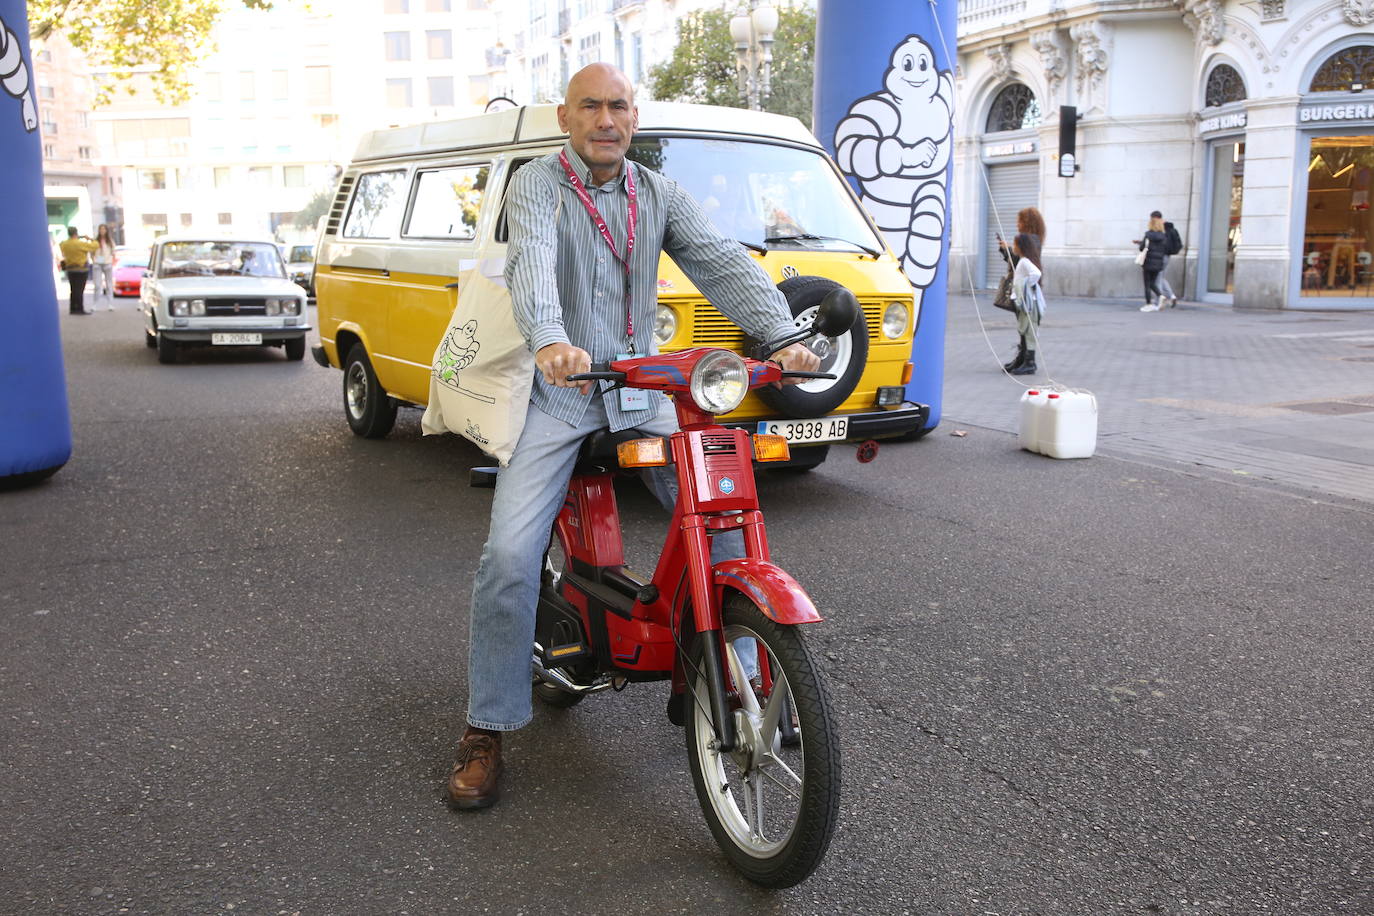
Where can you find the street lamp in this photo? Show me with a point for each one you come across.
(752, 31)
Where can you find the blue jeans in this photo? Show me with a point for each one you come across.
(529, 493)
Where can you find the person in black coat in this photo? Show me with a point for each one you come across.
(1155, 245)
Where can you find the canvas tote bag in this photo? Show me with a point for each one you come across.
(479, 385)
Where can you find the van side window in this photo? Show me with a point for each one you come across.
(502, 228)
(377, 206)
(447, 202)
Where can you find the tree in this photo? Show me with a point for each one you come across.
(163, 38)
(702, 68)
(308, 217)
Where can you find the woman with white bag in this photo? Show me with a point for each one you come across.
(1151, 258)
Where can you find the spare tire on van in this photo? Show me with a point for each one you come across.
(844, 356)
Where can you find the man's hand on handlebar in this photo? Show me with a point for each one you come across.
(797, 358)
(557, 361)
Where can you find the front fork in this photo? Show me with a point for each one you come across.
(707, 617)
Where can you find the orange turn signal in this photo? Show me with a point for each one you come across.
(642, 453)
(771, 448)
(906, 373)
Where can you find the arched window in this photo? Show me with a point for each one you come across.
(1224, 85)
(1015, 108)
(1344, 69)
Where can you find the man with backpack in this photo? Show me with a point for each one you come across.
(1173, 245)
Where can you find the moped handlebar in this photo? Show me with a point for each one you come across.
(829, 375)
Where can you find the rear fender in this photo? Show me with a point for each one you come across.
(775, 592)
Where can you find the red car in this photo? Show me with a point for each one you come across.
(129, 265)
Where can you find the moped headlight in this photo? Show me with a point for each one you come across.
(179, 307)
(198, 307)
(665, 324)
(719, 382)
(895, 319)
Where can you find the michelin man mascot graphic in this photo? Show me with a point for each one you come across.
(896, 145)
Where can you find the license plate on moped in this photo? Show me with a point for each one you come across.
(805, 432)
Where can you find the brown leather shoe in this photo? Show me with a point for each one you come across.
(472, 784)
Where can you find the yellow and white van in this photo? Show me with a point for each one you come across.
(418, 202)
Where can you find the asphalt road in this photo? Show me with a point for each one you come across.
(235, 658)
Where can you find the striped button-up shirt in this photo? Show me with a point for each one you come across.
(567, 287)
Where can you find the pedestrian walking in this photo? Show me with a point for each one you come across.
(76, 252)
(1029, 222)
(1030, 300)
(1152, 247)
(102, 267)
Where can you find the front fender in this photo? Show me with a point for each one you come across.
(775, 592)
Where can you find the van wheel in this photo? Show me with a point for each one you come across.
(166, 349)
(371, 412)
(295, 349)
(844, 356)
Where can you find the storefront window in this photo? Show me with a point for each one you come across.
(1339, 232)
(1228, 169)
(1015, 108)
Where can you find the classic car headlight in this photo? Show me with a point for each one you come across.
(719, 382)
(197, 307)
(665, 324)
(291, 306)
(273, 306)
(895, 319)
(179, 307)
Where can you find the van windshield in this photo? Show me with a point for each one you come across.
(761, 194)
(220, 259)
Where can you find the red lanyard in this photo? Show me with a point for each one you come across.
(590, 207)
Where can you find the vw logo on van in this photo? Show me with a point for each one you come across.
(788, 272)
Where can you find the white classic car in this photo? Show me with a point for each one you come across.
(221, 292)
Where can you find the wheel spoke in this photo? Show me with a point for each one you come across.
(746, 694)
(756, 785)
(771, 760)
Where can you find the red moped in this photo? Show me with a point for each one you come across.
(763, 751)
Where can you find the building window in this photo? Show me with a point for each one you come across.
(396, 6)
(1224, 85)
(84, 153)
(45, 55)
(185, 220)
(479, 87)
(45, 90)
(397, 45)
(1337, 260)
(49, 151)
(447, 202)
(222, 176)
(319, 89)
(226, 219)
(152, 179)
(1015, 108)
(248, 86)
(293, 176)
(155, 223)
(588, 50)
(439, 6)
(398, 93)
(1351, 70)
(636, 57)
(440, 91)
(440, 44)
(49, 125)
(279, 85)
(260, 176)
(377, 206)
(1228, 185)
(83, 119)
(214, 87)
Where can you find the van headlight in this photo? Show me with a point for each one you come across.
(665, 324)
(719, 382)
(896, 317)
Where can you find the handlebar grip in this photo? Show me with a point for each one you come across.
(829, 375)
(597, 376)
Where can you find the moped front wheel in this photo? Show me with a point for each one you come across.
(771, 803)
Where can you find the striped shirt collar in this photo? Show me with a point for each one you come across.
(585, 173)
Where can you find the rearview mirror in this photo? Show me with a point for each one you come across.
(837, 313)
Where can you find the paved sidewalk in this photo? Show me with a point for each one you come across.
(1283, 396)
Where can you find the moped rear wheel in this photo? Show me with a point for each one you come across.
(771, 805)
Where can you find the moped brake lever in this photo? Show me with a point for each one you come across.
(597, 377)
(800, 374)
